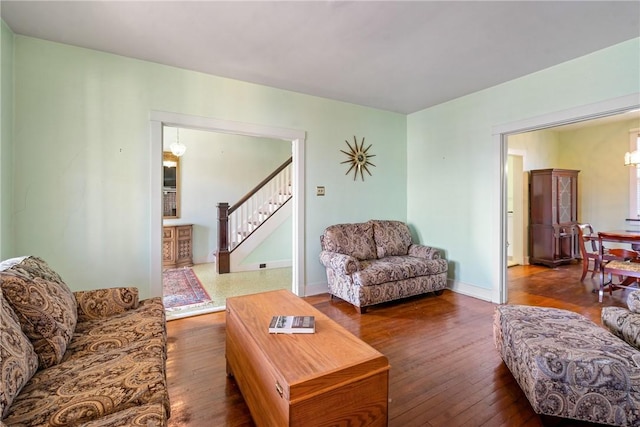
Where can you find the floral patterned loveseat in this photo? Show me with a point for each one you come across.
(89, 358)
(568, 366)
(372, 262)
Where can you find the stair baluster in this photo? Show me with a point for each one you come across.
(238, 222)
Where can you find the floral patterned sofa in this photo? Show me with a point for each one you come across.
(376, 261)
(570, 367)
(89, 358)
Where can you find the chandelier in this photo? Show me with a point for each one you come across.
(633, 158)
(177, 148)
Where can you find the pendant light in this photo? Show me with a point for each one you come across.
(177, 148)
(633, 158)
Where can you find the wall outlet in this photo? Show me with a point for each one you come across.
(319, 191)
(263, 265)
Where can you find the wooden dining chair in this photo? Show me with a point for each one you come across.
(590, 251)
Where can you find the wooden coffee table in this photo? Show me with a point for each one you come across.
(327, 378)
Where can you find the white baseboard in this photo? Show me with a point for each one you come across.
(470, 290)
(256, 266)
(205, 260)
(316, 288)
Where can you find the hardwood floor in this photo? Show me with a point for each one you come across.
(445, 370)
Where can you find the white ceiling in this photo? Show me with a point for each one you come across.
(392, 55)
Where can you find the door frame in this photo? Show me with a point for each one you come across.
(158, 119)
(500, 136)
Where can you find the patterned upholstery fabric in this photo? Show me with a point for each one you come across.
(623, 323)
(44, 304)
(111, 365)
(568, 366)
(85, 388)
(394, 268)
(350, 239)
(18, 361)
(624, 265)
(390, 291)
(392, 238)
(633, 301)
(345, 264)
(368, 281)
(120, 330)
(108, 366)
(426, 252)
(149, 415)
(103, 303)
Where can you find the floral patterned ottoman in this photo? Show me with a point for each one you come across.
(568, 366)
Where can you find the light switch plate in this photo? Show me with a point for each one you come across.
(319, 191)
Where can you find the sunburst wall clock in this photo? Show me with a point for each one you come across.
(358, 158)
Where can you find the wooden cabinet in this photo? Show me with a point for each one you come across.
(177, 246)
(553, 205)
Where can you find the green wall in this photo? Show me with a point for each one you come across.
(81, 142)
(82, 156)
(6, 141)
(272, 248)
(542, 149)
(454, 168)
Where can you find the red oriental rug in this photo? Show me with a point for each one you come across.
(182, 289)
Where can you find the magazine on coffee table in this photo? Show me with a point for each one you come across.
(292, 325)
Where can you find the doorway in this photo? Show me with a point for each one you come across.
(295, 137)
(220, 167)
(501, 134)
(517, 208)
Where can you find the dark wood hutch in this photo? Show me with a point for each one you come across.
(553, 219)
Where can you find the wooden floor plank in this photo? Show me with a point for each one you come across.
(445, 370)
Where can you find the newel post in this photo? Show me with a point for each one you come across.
(222, 256)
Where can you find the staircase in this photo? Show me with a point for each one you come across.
(238, 222)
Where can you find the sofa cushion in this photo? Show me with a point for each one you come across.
(18, 361)
(86, 389)
(146, 323)
(422, 251)
(392, 238)
(394, 268)
(350, 239)
(44, 305)
(102, 303)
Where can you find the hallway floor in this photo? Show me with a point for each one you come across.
(221, 286)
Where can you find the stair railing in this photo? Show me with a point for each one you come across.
(239, 221)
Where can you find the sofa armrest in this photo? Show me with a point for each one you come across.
(422, 251)
(101, 303)
(341, 263)
(633, 301)
(622, 323)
